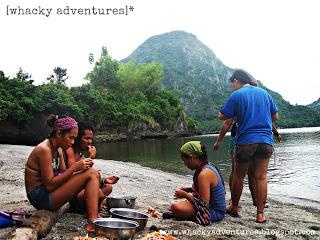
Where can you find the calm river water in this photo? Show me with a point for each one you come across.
(294, 170)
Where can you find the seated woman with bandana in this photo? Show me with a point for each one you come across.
(48, 184)
(205, 202)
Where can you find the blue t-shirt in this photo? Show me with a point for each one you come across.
(252, 108)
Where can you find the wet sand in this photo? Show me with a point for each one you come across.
(155, 188)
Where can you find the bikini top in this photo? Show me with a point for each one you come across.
(55, 163)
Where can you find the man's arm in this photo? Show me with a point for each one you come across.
(225, 127)
(276, 133)
(275, 117)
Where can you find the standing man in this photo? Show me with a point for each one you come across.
(254, 110)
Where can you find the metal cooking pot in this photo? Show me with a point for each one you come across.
(115, 228)
(121, 202)
(130, 214)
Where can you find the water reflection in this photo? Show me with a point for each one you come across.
(294, 168)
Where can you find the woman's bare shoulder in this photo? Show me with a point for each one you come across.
(207, 174)
(43, 147)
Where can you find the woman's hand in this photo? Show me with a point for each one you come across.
(84, 164)
(180, 194)
(278, 137)
(92, 151)
(216, 146)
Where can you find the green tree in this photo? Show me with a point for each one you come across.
(59, 76)
(127, 76)
(56, 98)
(17, 99)
(104, 72)
(143, 77)
(6, 104)
(23, 76)
(149, 77)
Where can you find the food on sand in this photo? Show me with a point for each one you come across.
(89, 238)
(153, 213)
(159, 235)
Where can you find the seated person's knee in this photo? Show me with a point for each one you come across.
(94, 172)
(175, 207)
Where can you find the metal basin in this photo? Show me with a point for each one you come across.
(115, 228)
(121, 202)
(130, 214)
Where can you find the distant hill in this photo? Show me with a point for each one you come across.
(200, 79)
(315, 105)
(292, 116)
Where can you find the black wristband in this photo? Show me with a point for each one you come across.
(276, 133)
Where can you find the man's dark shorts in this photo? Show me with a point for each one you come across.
(248, 152)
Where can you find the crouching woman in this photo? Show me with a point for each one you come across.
(205, 201)
(48, 185)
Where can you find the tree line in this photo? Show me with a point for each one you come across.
(127, 95)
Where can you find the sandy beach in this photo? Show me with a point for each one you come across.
(155, 188)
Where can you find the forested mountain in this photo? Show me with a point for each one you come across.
(201, 80)
(315, 105)
(172, 84)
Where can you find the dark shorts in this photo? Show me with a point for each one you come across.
(40, 198)
(248, 152)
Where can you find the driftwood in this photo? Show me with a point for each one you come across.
(39, 224)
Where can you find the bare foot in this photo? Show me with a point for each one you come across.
(90, 227)
(232, 211)
(260, 217)
(111, 180)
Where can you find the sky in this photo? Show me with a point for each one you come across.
(277, 41)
